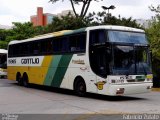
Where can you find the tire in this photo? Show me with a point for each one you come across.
(19, 80)
(25, 81)
(80, 88)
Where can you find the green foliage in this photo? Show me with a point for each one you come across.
(39, 30)
(154, 39)
(102, 18)
(67, 22)
(20, 31)
(3, 44)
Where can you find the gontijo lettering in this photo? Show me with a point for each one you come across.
(30, 61)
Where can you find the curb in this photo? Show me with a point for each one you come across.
(156, 89)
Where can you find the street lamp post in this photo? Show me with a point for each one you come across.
(108, 8)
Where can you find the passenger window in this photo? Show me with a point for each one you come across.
(78, 43)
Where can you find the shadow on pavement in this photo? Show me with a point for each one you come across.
(88, 95)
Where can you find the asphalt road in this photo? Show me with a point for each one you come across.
(44, 100)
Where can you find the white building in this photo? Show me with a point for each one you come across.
(65, 12)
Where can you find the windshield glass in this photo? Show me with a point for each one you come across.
(3, 59)
(131, 60)
(142, 60)
(127, 37)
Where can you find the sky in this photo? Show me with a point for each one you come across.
(21, 10)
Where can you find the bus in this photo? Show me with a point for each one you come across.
(107, 60)
(3, 63)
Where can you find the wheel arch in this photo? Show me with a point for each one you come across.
(25, 75)
(77, 79)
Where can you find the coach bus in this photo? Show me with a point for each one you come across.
(3, 63)
(108, 60)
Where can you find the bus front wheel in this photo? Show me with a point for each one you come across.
(80, 87)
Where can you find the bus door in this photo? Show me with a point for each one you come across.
(98, 58)
(100, 66)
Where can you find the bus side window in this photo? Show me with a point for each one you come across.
(65, 44)
(73, 43)
(24, 49)
(35, 48)
(97, 37)
(57, 45)
(49, 46)
(16, 50)
(82, 41)
(10, 51)
(78, 42)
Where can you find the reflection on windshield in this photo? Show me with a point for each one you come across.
(123, 58)
(128, 60)
(127, 37)
(142, 61)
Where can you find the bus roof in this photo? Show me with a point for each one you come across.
(3, 51)
(68, 32)
(114, 27)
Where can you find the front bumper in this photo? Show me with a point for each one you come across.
(127, 89)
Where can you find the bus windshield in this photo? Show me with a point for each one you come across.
(131, 60)
(3, 61)
(127, 37)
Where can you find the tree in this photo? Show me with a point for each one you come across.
(84, 9)
(154, 39)
(67, 22)
(70, 22)
(155, 9)
(25, 30)
(22, 30)
(3, 44)
(103, 18)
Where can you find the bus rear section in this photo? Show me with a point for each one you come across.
(3, 63)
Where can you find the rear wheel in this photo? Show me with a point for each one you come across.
(18, 79)
(25, 80)
(80, 87)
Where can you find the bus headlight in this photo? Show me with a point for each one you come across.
(117, 81)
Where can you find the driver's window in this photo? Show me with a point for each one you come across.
(97, 37)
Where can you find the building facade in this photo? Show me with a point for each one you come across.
(41, 19)
(65, 12)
